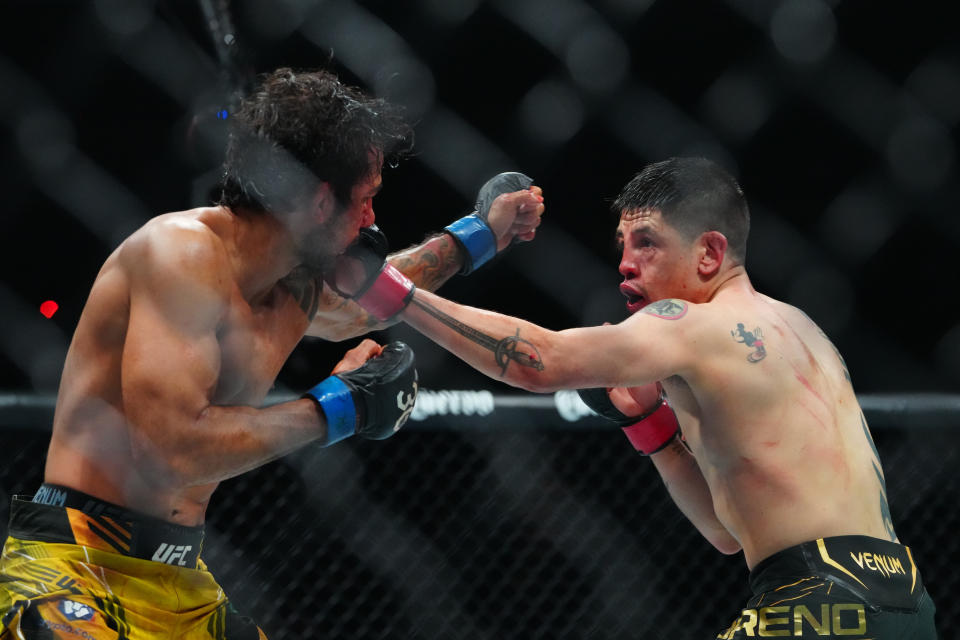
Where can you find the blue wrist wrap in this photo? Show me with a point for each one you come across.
(334, 397)
(476, 238)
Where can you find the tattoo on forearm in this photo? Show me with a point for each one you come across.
(753, 339)
(505, 350)
(431, 264)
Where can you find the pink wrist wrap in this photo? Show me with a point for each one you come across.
(654, 431)
(389, 294)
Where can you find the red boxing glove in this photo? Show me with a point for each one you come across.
(648, 433)
(363, 274)
(653, 431)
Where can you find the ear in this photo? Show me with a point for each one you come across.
(712, 249)
(323, 203)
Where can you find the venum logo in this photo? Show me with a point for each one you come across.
(75, 610)
(49, 495)
(170, 554)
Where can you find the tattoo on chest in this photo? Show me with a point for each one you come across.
(305, 287)
(505, 350)
(752, 339)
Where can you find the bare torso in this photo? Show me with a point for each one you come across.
(90, 449)
(772, 419)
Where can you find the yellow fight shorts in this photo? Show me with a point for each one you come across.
(77, 567)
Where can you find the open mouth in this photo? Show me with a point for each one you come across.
(635, 301)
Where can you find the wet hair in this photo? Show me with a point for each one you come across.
(298, 129)
(694, 195)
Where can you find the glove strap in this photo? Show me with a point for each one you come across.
(336, 401)
(477, 240)
(388, 295)
(653, 431)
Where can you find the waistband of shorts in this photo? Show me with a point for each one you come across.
(879, 572)
(63, 515)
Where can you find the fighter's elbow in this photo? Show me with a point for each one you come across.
(725, 544)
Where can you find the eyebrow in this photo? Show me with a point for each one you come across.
(636, 231)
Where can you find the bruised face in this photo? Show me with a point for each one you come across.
(656, 262)
(340, 223)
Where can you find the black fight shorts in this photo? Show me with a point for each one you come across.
(847, 587)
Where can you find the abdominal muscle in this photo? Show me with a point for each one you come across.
(93, 455)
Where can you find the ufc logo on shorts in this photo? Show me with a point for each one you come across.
(406, 406)
(170, 554)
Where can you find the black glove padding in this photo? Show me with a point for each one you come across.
(599, 400)
(506, 182)
(384, 391)
(358, 267)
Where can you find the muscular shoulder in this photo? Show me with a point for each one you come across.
(179, 263)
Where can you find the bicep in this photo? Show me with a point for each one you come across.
(169, 372)
(640, 350)
(171, 355)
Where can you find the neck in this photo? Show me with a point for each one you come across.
(733, 278)
(263, 252)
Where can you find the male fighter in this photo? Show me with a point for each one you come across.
(185, 329)
(775, 457)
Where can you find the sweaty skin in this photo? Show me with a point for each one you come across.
(184, 332)
(779, 451)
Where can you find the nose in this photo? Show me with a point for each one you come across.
(628, 268)
(369, 217)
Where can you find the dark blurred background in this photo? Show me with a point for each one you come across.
(838, 117)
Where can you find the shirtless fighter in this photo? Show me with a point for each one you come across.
(775, 457)
(186, 327)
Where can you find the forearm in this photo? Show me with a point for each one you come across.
(226, 441)
(685, 482)
(508, 349)
(428, 264)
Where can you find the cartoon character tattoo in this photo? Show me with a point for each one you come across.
(751, 339)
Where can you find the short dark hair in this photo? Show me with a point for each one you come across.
(300, 128)
(694, 195)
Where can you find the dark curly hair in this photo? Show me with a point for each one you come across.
(298, 129)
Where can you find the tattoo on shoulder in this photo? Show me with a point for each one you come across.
(669, 309)
(752, 339)
(305, 287)
(505, 350)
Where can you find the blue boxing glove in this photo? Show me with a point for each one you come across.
(372, 401)
(472, 232)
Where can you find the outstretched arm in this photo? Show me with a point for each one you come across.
(640, 350)
(428, 265)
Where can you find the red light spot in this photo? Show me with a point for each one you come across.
(49, 308)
